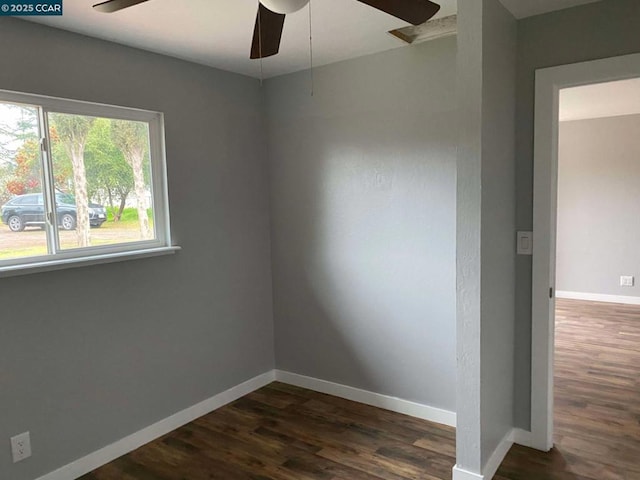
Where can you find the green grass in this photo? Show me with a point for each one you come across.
(129, 215)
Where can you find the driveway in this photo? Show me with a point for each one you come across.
(32, 241)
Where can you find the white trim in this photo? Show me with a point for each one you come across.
(496, 458)
(130, 443)
(387, 402)
(79, 107)
(549, 82)
(109, 453)
(64, 263)
(159, 184)
(461, 474)
(494, 462)
(598, 297)
(521, 437)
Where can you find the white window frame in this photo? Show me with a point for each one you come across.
(57, 258)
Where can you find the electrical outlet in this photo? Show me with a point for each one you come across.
(21, 447)
(626, 281)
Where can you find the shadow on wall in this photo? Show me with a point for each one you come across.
(363, 243)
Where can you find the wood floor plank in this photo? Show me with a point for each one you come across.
(597, 398)
(282, 432)
(436, 443)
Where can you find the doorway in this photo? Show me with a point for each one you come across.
(550, 83)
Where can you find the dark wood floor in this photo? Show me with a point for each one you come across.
(286, 433)
(597, 398)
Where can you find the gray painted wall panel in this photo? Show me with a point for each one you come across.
(598, 205)
(468, 235)
(363, 209)
(90, 355)
(599, 30)
(486, 230)
(499, 40)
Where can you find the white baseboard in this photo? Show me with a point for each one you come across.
(394, 404)
(128, 444)
(598, 297)
(494, 462)
(522, 437)
(461, 474)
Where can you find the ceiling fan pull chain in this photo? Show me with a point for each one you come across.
(311, 50)
(260, 42)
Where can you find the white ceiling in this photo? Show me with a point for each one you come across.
(609, 99)
(218, 32)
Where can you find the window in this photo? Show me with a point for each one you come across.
(79, 182)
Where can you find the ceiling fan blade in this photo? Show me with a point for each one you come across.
(412, 11)
(111, 6)
(267, 33)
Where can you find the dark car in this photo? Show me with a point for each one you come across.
(28, 210)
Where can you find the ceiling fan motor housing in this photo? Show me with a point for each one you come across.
(284, 6)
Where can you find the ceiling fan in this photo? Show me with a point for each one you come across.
(269, 25)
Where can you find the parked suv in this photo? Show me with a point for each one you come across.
(28, 210)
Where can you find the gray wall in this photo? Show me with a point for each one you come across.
(486, 230)
(468, 234)
(499, 39)
(598, 205)
(363, 230)
(599, 30)
(90, 355)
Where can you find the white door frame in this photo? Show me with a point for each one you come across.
(549, 82)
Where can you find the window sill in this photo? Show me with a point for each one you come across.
(66, 263)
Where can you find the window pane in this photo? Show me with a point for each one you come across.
(102, 177)
(22, 211)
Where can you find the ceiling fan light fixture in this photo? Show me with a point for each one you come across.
(284, 6)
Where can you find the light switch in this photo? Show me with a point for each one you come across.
(525, 243)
